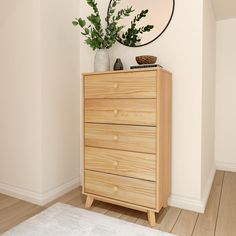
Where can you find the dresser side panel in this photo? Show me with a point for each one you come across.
(164, 130)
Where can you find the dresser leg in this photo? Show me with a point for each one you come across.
(89, 202)
(151, 218)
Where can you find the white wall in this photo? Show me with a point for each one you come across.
(225, 147)
(39, 91)
(60, 92)
(224, 9)
(208, 97)
(20, 89)
(180, 51)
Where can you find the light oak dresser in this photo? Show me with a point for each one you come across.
(127, 138)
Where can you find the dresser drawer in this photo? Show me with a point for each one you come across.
(139, 192)
(121, 111)
(121, 137)
(130, 164)
(126, 85)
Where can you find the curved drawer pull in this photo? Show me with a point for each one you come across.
(116, 138)
(116, 86)
(115, 189)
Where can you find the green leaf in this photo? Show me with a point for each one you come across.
(81, 22)
(86, 30)
(75, 23)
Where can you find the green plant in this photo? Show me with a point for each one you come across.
(132, 36)
(96, 36)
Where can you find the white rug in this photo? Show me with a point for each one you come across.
(66, 220)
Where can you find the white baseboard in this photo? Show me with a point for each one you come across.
(225, 166)
(186, 203)
(207, 189)
(39, 198)
(20, 193)
(192, 204)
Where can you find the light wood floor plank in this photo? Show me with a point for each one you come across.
(143, 219)
(78, 201)
(2, 196)
(168, 218)
(206, 222)
(101, 207)
(17, 213)
(6, 201)
(226, 224)
(76, 193)
(185, 223)
(116, 211)
(131, 215)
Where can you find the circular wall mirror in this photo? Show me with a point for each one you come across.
(147, 22)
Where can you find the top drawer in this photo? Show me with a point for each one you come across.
(121, 85)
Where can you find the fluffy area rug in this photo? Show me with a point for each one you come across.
(66, 220)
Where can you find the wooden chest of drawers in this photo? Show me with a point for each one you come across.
(127, 138)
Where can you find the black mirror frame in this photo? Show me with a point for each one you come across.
(172, 14)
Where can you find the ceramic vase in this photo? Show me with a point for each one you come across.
(101, 60)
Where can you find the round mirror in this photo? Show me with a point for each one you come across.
(147, 21)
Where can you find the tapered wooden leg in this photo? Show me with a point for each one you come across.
(89, 202)
(151, 218)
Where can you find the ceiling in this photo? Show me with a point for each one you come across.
(224, 9)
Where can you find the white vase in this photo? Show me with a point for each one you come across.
(102, 60)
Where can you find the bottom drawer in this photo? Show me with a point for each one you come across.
(136, 191)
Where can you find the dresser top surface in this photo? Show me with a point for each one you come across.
(126, 71)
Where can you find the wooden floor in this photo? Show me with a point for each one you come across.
(219, 218)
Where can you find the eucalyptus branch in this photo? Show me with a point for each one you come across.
(98, 38)
(132, 36)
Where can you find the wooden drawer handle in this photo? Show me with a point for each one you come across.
(116, 138)
(115, 112)
(115, 189)
(115, 164)
(116, 86)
